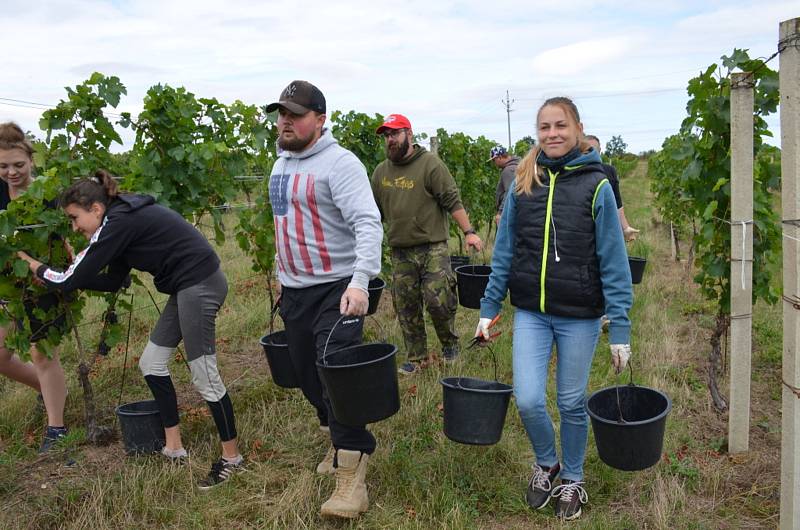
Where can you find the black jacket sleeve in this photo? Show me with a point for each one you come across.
(108, 243)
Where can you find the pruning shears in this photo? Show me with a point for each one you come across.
(480, 340)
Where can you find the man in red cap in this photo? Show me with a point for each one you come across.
(415, 192)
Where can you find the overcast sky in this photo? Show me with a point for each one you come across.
(441, 63)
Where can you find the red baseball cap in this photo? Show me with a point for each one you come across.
(394, 121)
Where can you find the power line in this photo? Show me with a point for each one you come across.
(618, 94)
(12, 102)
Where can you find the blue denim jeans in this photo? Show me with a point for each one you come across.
(575, 340)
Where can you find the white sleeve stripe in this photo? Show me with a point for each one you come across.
(61, 277)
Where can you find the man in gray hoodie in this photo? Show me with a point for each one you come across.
(328, 238)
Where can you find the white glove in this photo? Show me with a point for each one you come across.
(620, 354)
(630, 233)
(483, 328)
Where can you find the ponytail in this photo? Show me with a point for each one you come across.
(528, 172)
(100, 187)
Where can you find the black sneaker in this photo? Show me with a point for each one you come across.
(52, 435)
(409, 368)
(450, 353)
(540, 485)
(569, 496)
(221, 470)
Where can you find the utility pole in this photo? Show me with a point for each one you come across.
(507, 102)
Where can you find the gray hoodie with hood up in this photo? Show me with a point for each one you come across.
(327, 225)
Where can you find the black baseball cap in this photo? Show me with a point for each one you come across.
(299, 97)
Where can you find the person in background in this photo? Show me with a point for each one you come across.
(507, 164)
(130, 231)
(628, 231)
(328, 237)
(415, 192)
(45, 375)
(560, 253)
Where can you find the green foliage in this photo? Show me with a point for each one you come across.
(624, 164)
(87, 135)
(355, 131)
(703, 150)
(524, 145)
(77, 143)
(476, 179)
(616, 147)
(665, 169)
(255, 233)
(188, 151)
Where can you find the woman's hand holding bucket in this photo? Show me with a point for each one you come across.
(482, 334)
(620, 354)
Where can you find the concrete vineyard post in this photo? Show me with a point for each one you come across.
(742, 99)
(789, 47)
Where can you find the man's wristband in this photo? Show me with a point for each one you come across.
(469, 232)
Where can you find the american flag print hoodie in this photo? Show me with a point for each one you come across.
(327, 225)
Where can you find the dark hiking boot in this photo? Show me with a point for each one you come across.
(450, 353)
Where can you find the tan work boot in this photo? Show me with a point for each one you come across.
(349, 498)
(326, 466)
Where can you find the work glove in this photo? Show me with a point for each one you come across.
(630, 233)
(620, 354)
(483, 328)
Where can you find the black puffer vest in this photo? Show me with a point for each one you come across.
(554, 268)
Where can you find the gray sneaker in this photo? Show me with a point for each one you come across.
(540, 485)
(569, 496)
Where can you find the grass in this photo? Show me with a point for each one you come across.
(417, 478)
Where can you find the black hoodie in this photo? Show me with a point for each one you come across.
(136, 233)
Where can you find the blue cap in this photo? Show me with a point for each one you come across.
(496, 151)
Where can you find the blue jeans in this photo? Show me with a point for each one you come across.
(575, 339)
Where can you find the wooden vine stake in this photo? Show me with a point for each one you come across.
(789, 47)
(742, 100)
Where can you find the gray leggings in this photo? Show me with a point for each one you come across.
(190, 315)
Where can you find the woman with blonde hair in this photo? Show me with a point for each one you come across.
(560, 253)
(45, 375)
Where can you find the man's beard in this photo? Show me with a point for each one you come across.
(397, 152)
(296, 144)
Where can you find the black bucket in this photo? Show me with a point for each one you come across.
(375, 289)
(474, 409)
(361, 382)
(457, 261)
(141, 426)
(637, 268)
(636, 442)
(280, 364)
(472, 280)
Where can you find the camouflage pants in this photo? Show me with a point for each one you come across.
(423, 274)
